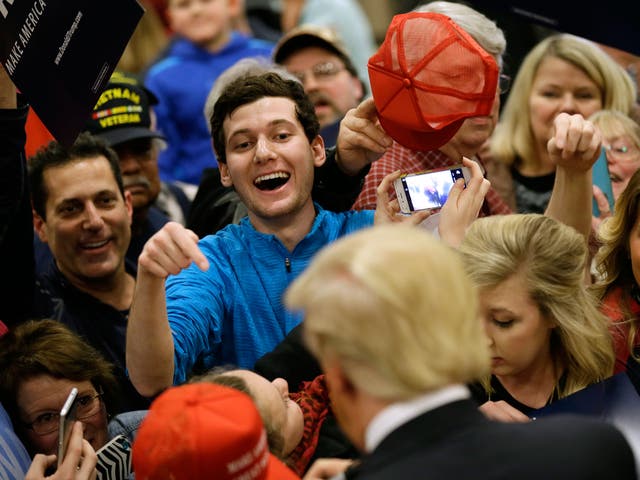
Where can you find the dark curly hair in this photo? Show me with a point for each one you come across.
(246, 90)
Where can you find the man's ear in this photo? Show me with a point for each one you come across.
(40, 226)
(319, 153)
(337, 380)
(128, 202)
(225, 175)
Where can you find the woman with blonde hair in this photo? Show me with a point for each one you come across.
(618, 265)
(547, 337)
(562, 73)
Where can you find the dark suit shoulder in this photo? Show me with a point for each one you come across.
(557, 447)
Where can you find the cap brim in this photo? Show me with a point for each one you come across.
(121, 135)
(276, 470)
(422, 141)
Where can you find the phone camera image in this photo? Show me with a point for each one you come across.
(429, 191)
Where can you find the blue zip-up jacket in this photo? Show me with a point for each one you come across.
(182, 81)
(233, 313)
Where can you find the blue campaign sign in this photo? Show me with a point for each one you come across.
(61, 53)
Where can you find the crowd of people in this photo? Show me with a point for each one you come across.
(220, 267)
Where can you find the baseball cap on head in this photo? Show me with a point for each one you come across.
(427, 77)
(122, 112)
(204, 430)
(309, 35)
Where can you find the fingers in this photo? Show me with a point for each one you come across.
(39, 465)
(362, 129)
(80, 460)
(503, 412)
(324, 468)
(602, 202)
(172, 249)
(575, 141)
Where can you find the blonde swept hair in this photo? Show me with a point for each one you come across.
(393, 305)
(612, 261)
(513, 138)
(552, 257)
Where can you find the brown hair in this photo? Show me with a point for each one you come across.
(47, 347)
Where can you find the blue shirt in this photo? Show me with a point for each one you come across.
(182, 81)
(233, 312)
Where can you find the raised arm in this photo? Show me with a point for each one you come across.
(574, 148)
(150, 349)
(16, 222)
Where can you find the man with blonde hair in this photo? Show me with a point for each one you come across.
(394, 322)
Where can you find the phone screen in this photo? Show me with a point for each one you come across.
(68, 415)
(431, 189)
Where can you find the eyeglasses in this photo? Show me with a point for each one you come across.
(619, 152)
(49, 422)
(504, 83)
(320, 71)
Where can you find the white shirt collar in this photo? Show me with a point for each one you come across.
(391, 417)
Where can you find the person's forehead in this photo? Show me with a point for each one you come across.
(310, 55)
(264, 109)
(79, 174)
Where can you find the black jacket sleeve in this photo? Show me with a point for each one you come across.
(16, 222)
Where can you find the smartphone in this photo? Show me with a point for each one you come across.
(68, 416)
(429, 189)
(602, 179)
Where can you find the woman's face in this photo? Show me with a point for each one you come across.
(40, 399)
(559, 86)
(519, 336)
(623, 159)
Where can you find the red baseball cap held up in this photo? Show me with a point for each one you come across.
(427, 77)
(203, 430)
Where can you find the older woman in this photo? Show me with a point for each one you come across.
(547, 337)
(40, 362)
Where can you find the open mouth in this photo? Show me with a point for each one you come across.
(271, 181)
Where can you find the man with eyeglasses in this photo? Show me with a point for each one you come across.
(318, 58)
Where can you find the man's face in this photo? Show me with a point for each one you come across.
(88, 223)
(139, 165)
(270, 162)
(331, 88)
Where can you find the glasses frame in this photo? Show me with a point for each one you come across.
(56, 422)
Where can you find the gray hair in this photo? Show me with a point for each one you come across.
(483, 30)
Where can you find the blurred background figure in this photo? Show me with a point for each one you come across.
(316, 56)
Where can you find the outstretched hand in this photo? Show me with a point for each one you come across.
(361, 139)
(462, 205)
(389, 210)
(172, 249)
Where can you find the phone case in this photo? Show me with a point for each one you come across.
(601, 179)
(114, 459)
(67, 417)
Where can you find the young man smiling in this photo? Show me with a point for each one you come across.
(227, 308)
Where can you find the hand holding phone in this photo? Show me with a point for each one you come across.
(68, 416)
(428, 190)
(602, 180)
